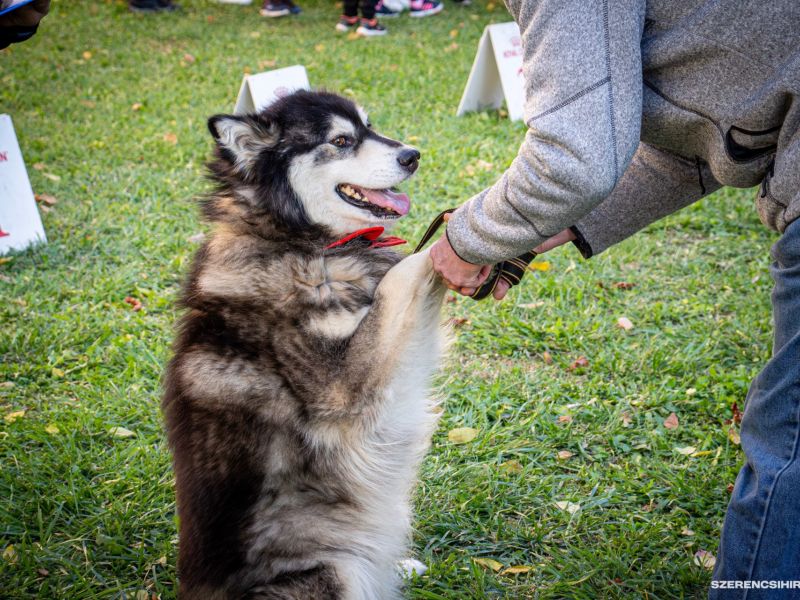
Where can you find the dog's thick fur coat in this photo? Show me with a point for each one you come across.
(297, 400)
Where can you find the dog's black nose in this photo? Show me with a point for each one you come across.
(409, 158)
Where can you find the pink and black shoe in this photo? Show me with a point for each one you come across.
(371, 27)
(425, 8)
(384, 12)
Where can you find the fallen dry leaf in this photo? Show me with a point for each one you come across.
(10, 554)
(43, 572)
(532, 305)
(511, 466)
(729, 488)
(686, 450)
(541, 265)
(624, 323)
(700, 453)
(624, 285)
(734, 436)
(87, 55)
(39, 166)
(267, 64)
(570, 507)
(547, 358)
(189, 58)
(56, 372)
(459, 321)
(135, 304)
(52, 429)
(319, 48)
(170, 138)
(565, 419)
(687, 531)
(703, 558)
(565, 454)
(580, 363)
(462, 435)
(137, 106)
(488, 563)
(121, 432)
(452, 47)
(52, 177)
(47, 199)
(517, 570)
(671, 422)
(626, 419)
(737, 414)
(453, 33)
(13, 416)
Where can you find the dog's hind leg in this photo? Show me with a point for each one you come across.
(319, 583)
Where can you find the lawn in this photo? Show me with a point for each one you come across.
(573, 475)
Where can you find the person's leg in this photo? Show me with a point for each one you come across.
(350, 8)
(761, 535)
(368, 9)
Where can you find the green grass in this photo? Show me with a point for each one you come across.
(91, 515)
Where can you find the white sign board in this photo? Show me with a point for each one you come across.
(20, 224)
(260, 90)
(496, 73)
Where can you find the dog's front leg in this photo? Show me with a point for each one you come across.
(407, 304)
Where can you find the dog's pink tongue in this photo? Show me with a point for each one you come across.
(395, 201)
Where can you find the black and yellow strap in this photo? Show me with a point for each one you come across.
(511, 270)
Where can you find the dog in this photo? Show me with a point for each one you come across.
(297, 402)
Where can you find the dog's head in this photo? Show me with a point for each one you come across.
(313, 158)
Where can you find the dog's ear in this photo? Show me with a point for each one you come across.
(243, 138)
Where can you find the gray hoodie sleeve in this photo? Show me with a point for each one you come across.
(583, 85)
(656, 184)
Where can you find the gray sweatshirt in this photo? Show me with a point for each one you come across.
(635, 110)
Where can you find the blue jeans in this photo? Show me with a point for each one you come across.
(761, 535)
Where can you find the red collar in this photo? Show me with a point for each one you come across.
(371, 234)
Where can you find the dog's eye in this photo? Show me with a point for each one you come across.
(342, 141)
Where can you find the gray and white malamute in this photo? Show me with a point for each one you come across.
(297, 400)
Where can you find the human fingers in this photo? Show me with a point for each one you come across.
(557, 240)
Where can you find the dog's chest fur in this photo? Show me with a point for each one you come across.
(299, 468)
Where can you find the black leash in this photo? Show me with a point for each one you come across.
(511, 271)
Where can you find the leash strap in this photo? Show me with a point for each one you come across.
(511, 270)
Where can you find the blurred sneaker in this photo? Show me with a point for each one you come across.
(168, 5)
(346, 23)
(294, 9)
(279, 8)
(425, 8)
(145, 6)
(371, 27)
(384, 12)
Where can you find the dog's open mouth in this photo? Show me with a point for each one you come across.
(388, 204)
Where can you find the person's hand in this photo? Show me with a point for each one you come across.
(559, 239)
(460, 276)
